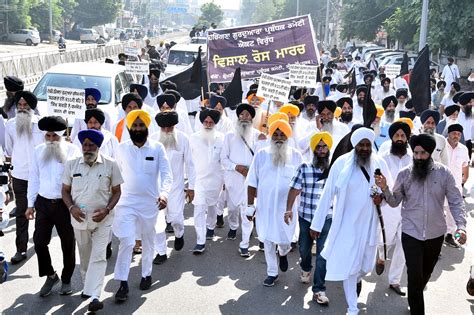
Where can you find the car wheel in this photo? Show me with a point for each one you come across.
(29, 42)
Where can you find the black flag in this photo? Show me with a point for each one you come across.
(404, 65)
(369, 112)
(420, 81)
(353, 82)
(233, 92)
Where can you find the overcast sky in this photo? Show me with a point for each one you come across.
(225, 4)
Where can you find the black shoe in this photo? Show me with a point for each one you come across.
(397, 289)
(199, 249)
(179, 243)
(209, 234)
(19, 257)
(359, 288)
(108, 251)
(95, 306)
(293, 246)
(169, 228)
(85, 296)
(449, 240)
(160, 259)
(1, 233)
(379, 267)
(122, 294)
(48, 285)
(283, 263)
(13, 213)
(220, 221)
(261, 247)
(232, 235)
(270, 281)
(145, 283)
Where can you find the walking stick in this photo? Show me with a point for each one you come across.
(379, 213)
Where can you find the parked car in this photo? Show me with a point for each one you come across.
(181, 56)
(44, 36)
(198, 40)
(110, 79)
(88, 35)
(397, 60)
(29, 37)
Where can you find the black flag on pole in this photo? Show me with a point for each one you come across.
(404, 65)
(233, 92)
(420, 81)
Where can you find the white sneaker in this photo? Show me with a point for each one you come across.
(305, 276)
(321, 298)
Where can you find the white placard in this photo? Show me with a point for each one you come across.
(137, 67)
(131, 51)
(392, 70)
(303, 75)
(65, 102)
(274, 88)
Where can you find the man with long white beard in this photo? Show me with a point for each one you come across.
(237, 154)
(346, 105)
(389, 104)
(22, 135)
(448, 97)
(351, 245)
(178, 150)
(430, 119)
(44, 198)
(452, 114)
(325, 122)
(91, 189)
(269, 176)
(147, 183)
(206, 147)
(397, 158)
(466, 100)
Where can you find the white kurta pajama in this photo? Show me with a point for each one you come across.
(180, 159)
(351, 244)
(209, 182)
(147, 175)
(235, 152)
(273, 184)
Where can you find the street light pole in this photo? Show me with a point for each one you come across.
(424, 24)
(326, 28)
(297, 7)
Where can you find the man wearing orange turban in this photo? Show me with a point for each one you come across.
(270, 174)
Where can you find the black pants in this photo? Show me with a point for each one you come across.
(49, 214)
(421, 258)
(19, 189)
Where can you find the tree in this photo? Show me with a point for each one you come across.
(210, 13)
(18, 15)
(89, 13)
(39, 13)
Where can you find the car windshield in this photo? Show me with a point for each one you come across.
(178, 57)
(74, 81)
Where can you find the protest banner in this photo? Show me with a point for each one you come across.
(274, 88)
(137, 67)
(260, 48)
(65, 102)
(303, 75)
(131, 51)
(392, 70)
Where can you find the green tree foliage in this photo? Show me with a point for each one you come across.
(18, 14)
(96, 12)
(39, 13)
(210, 13)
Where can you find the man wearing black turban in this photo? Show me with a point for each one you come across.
(310, 106)
(430, 119)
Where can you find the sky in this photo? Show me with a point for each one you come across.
(225, 4)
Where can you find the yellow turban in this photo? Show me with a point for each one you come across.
(380, 110)
(281, 124)
(406, 120)
(249, 98)
(138, 113)
(325, 136)
(290, 109)
(337, 112)
(277, 116)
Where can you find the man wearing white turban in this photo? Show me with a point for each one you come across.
(351, 244)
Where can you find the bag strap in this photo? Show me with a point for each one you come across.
(247, 145)
(366, 174)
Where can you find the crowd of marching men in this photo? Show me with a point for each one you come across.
(310, 161)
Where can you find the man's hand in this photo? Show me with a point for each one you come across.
(314, 235)
(288, 217)
(190, 195)
(250, 212)
(162, 202)
(460, 236)
(319, 124)
(243, 170)
(30, 213)
(381, 181)
(99, 214)
(77, 214)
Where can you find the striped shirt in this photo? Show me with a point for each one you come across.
(307, 179)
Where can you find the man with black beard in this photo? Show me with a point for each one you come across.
(430, 119)
(359, 101)
(12, 86)
(310, 107)
(147, 183)
(44, 198)
(309, 182)
(383, 91)
(466, 100)
(398, 157)
(22, 135)
(389, 104)
(422, 189)
(346, 105)
(237, 154)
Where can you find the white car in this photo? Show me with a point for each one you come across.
(110, 79)
(181, 56)
(397, 60)
(88, 35)
(29, 37)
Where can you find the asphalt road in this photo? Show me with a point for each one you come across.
(220, 281)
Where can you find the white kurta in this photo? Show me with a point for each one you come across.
(450, 75)
(224, 125)
(273, 184)
(351, 244)
(80, 124)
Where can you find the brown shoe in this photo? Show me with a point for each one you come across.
(470, 287)
(379, 266)
(397, 289)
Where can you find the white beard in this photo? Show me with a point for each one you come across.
(208, 136)
(279, 153)
(169, 140)
(54, 151)
(23, 123)
(244, 128)
(328, 127)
